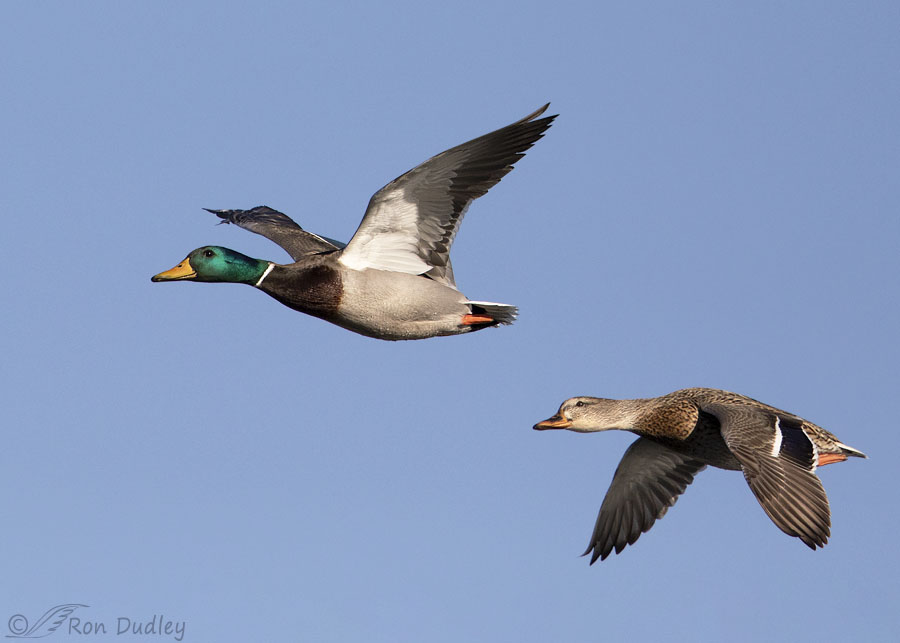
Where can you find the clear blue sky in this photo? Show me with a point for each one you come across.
(717, 205)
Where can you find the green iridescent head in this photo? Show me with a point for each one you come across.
(214, 263)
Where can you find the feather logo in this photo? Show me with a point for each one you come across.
(44, 626)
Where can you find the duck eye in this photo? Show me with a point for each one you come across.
(579, 403)
(209, 254)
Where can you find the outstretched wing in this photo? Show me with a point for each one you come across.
(411, 222)
(647, 482)
(778, 460)
(280, 228)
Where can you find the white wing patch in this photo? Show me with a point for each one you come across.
(389, 240)
(776, 445)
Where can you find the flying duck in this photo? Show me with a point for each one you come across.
(393, 280)
(682, 432)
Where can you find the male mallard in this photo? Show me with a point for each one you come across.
(684, 431)
(394, 279)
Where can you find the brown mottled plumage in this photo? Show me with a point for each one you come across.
(683, 432)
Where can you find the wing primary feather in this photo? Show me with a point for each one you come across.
(278, 227)
(425, 206)
(648, 480)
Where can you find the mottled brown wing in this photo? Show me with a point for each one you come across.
(648, 481)
(778, 460)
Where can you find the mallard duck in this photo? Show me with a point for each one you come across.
(393, 280)
(682, 432)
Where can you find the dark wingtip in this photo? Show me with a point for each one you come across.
(533, 115)
(595, 553)
(811, 543)
(225, 215)
(541, 111)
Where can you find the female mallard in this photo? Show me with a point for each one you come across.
(394, 279)
(684, 431)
